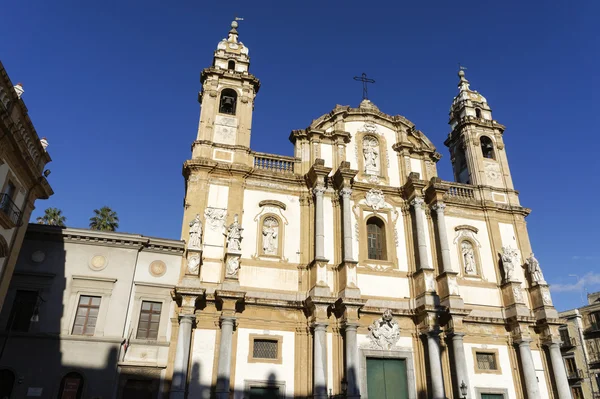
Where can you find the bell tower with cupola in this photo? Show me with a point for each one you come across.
(475, 142)
(227, 103)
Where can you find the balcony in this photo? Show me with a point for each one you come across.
(592, 327)
(10, 214)
(274, 163)
(460, 191)
(594, 358)
(568, 342)
(575, 374)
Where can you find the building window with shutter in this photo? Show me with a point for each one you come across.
(486, 361)
(22, 310)
(376, 239)
(149, 320)
(87, 315)
(265, 349)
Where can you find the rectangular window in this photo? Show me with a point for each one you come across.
(87, 315)
(149, 320)
(486, 361)
(22, 310)
(265, 349)
(577, 392)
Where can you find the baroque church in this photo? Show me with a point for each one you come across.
(351, 269)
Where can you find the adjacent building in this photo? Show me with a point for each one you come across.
(22, 161)
(88, 315)
(581, 348)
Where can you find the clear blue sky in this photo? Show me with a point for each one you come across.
(113, 86)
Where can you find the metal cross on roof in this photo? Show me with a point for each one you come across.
(363, 78)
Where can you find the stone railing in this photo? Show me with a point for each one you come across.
(462, 191)
(274, 163)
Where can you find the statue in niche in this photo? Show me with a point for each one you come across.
(270, 233)
(233, 266)
(234, 235)
(534, 269)
(193, 265)
(509, 257)
(468, 254)
(371, 154)
(384, 333)
(195, 232)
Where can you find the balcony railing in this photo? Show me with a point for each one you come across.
(575, 374)
(274, 163)
(460, 191)
(8, 208)
(568, 342)
(594, 358)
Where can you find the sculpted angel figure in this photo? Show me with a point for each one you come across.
(234, 234)
(195, 233)
(534, 269)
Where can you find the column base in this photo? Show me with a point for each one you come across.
(177, 395)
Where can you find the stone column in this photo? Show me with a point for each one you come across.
(422, 244)
(560, 374)
(320, 361)
(319, 223)
(345, 192)
(460, 365)
(531, 382)
(182, 357)
(224, 363)
(446, 262)
(353, 391)
(435, 366)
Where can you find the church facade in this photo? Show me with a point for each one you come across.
(351, 269)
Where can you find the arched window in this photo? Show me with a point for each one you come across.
(478, 113)
(7, 381)
(228, 102)
(487, 147)
(270, 236)
(71, 386)
(376, 239)
(231, 65)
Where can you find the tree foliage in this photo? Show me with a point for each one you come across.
(52, 217)
(104, 219)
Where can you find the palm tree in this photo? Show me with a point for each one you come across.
(105, 219)
(52, 217)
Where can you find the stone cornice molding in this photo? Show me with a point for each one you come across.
(466, 227)
(223, 73)
(275, 203)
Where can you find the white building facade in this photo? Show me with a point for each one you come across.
(351, 269)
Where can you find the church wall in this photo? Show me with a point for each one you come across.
(480, 295)
(268, 278)
(258, 371)
(327, 156)
(540, 372)
(415, 166)
(488, 262)
(202, 359)
(383, 286)
(503, 380)
(401, 253)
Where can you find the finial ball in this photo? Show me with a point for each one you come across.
(461, 73)
(234, 24)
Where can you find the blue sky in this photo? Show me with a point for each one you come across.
(113, 86)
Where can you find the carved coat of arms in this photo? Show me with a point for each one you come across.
(384, 333)
(375, 199)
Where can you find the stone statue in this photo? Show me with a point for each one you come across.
(534, 269)
(371, 154)
(509, 256)
(233, 266)
(384, 333)
(270, 233)
(468, 254)
(234, 235)
(195, 232)
(193, 265)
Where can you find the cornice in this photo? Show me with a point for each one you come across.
(244, 76)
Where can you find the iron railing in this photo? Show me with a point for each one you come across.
(568, 342)
(10, 209)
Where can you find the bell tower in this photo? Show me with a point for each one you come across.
(475, 142)
(227, 103)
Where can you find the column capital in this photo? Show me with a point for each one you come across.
(457, 335)
(318, 190)
(523, 341)
(417, 202)
(350, 326)
(345, 192)
(187, 318)
(439, 207)
(319, 326)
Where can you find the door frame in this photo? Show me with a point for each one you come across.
(497, 391)
(405, 354)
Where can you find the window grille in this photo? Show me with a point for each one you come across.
(265, 349)
(486, 361)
